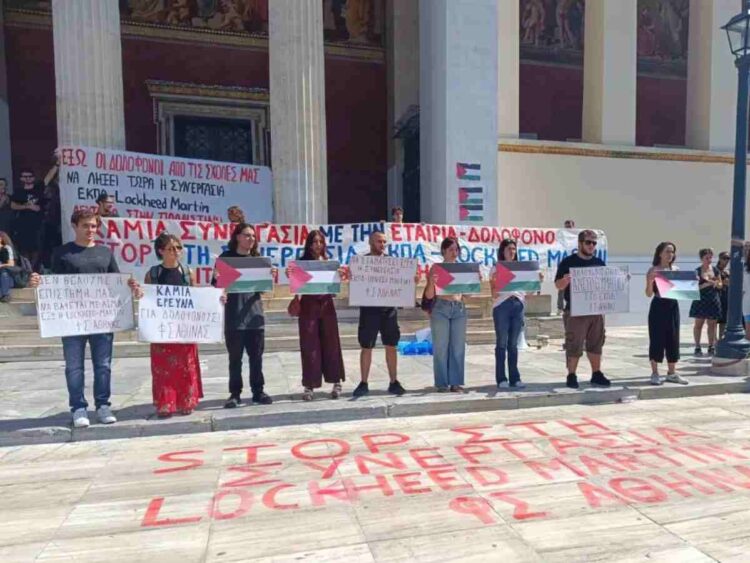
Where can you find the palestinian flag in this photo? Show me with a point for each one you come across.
(517, 276)
(457, 278)
(314, 277)
(249, 274)
(469, 172)
(471, 196)
(471, 213)
(677, 285)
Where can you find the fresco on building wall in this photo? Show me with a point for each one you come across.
(552, 31)
(663, 37)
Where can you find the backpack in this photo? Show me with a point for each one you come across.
(156, 270)
(21, 272)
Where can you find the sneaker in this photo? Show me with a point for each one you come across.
(598, 380)
(105, 416)
(503, 385)
(308, 394)
(336, 391)
(262, 398)
(395, 388)
(656, 379)
(80, 418)
(698, 353)
(711, 350)
(456, 389)
(5, 299)
(518, 385)
(442, 389)
(233, 402)
(361, 390)
(674, 378)
(572, 381)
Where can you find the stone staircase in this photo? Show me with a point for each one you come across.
(20, 340)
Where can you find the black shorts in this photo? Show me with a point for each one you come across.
(378, 319)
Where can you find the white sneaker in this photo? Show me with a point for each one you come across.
(656, 379)
(105, 416)
(518, 385)
(503, 385)
(674, 378)
(80, 418)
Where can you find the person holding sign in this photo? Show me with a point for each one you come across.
(244, 323)
(447, 322)
(707, 309)
(510, 285)
(663, 318)
(319, 343)
(586, 331)
(83, 256)
(175, 368)
(385, 321)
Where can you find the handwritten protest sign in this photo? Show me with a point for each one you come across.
(382, 281)
(150, 186)
(599, 290)
(180, 314)
(76, 304)
(131, 241)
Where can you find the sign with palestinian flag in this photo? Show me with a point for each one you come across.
(314, 277)
(517, 276)
(457, 278)
(673, 284)
(245, 274)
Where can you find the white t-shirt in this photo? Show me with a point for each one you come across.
(505, 295)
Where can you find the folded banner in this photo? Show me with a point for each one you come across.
(517, 276)
(674, 284)
(249, 274)
(314, 277)
(180, 314)
(77, 304)
(456, 278)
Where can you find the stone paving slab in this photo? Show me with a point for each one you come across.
(33, 403)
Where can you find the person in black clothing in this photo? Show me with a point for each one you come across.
(26, 202)
(722, 265)
(106, 205)
(707, 310)
(586, 330)
(371, 321)
(7, 261)
(244, 325)
(663, 319)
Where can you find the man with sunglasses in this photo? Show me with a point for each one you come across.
(585, 331)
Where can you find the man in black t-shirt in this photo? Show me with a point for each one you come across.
(584, 331)
(26, 203)
(371, 321)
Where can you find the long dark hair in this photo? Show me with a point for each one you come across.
(505, 243)
(236, 234)
(659, 249)
(307, 254)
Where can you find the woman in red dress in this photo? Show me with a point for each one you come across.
(175, 368)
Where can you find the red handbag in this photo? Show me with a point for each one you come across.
(294, 307)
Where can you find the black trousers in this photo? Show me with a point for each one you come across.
(664, 330)
(238, 342)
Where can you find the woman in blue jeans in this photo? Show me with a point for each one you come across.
(507, 312)
(448, 325)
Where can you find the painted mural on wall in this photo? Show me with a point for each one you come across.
(663, 37)
(360, 22)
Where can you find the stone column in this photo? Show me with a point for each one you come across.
(5, 160)
(458, 108)
(712, 77)
(508, 65)
(609, 72)
(88, 73)
(298, 115)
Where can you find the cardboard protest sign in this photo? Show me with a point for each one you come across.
(76, 304)
(457, 278)
(180, 314)
(673, 284)
(150, 186)
(599, 290)
(517, 276)
(314, 277)
(382, 281)
(248, 274)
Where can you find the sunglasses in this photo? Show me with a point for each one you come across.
(591, 242)
(175, 248)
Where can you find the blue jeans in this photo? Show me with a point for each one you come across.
(448, 324)
(74, 350)
(508, 317)
(6, 282)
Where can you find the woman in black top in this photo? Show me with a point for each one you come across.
(708, 308)
(244, 325)
(721, 265)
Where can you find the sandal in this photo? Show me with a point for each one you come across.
(336, 391)
(457, 389)
(308, 394)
